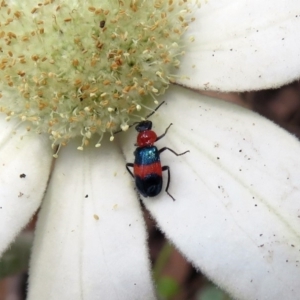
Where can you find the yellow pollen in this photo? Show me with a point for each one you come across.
(84, 67)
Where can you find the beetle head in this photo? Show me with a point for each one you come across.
(143, 126)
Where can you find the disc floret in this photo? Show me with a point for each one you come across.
(79, 68)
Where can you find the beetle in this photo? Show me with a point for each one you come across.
(147, 168)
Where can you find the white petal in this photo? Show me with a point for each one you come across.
(90, 241)
(25, 161)
(237, 209)
(243, 45)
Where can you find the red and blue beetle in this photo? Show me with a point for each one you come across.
(147, 168)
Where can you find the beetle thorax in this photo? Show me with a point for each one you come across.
(146, 138)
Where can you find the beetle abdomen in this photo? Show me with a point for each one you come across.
(150, 185)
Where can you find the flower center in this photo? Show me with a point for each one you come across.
(79, 68)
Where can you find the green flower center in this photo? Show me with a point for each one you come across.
(79, 68)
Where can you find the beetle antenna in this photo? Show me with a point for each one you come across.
(157, 107)
(135, 123)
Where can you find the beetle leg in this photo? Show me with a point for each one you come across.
(167, 168)
(177, 154)
(129, 165)
(161, 136)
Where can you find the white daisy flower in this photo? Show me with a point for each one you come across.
(77, 72)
